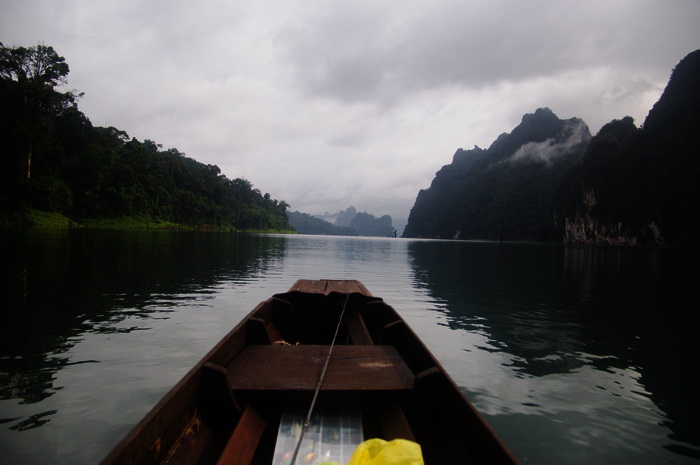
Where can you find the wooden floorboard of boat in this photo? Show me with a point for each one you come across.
(183, 428)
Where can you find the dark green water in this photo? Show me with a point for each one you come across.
(574, 355)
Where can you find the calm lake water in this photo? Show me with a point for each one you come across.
(575, 355)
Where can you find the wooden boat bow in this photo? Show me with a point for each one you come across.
(228, 408)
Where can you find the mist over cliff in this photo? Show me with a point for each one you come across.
(549, 180)
(505, 190)
(640, 185)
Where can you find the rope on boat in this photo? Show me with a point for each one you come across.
(307, 421)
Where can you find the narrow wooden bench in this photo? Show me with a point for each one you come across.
(297, 368)
(242, 444)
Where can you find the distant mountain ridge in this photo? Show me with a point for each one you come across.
(550, 180)
(504, 190)
(365, 224)
(348, 222)
(304, 223)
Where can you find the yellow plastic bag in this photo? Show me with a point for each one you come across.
(381, 452)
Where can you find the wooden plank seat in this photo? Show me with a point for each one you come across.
(241, 446)
(297, 368)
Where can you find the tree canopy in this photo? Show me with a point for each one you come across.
(39, 65)
(53, 159)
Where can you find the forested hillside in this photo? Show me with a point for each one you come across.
(504, 191)
(640, 185)
(54, 159)
(549, 180)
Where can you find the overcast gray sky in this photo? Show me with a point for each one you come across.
(327, 104)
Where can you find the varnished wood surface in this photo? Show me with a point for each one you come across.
(240, 448)
(351, 368)
(212, 414)
(326, 286)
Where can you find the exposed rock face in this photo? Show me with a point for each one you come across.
(585, 228)
(639, 186)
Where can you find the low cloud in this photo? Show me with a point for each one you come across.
(574, 134)
(387, 53)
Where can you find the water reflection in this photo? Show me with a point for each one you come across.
(578, 312)
(59, 285)
(574, 354)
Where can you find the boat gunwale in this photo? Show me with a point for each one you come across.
(186, 392)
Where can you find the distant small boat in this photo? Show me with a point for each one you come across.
(246, 400)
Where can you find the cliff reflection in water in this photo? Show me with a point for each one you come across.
(558, 309)
(57, 285)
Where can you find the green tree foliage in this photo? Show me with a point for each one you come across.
(55, 160)
(39, 65)
(30, 101)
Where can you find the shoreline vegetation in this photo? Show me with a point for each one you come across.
(55, 160)
(32, 218)
(548, 180)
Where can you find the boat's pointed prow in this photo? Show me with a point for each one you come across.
(230, 405)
